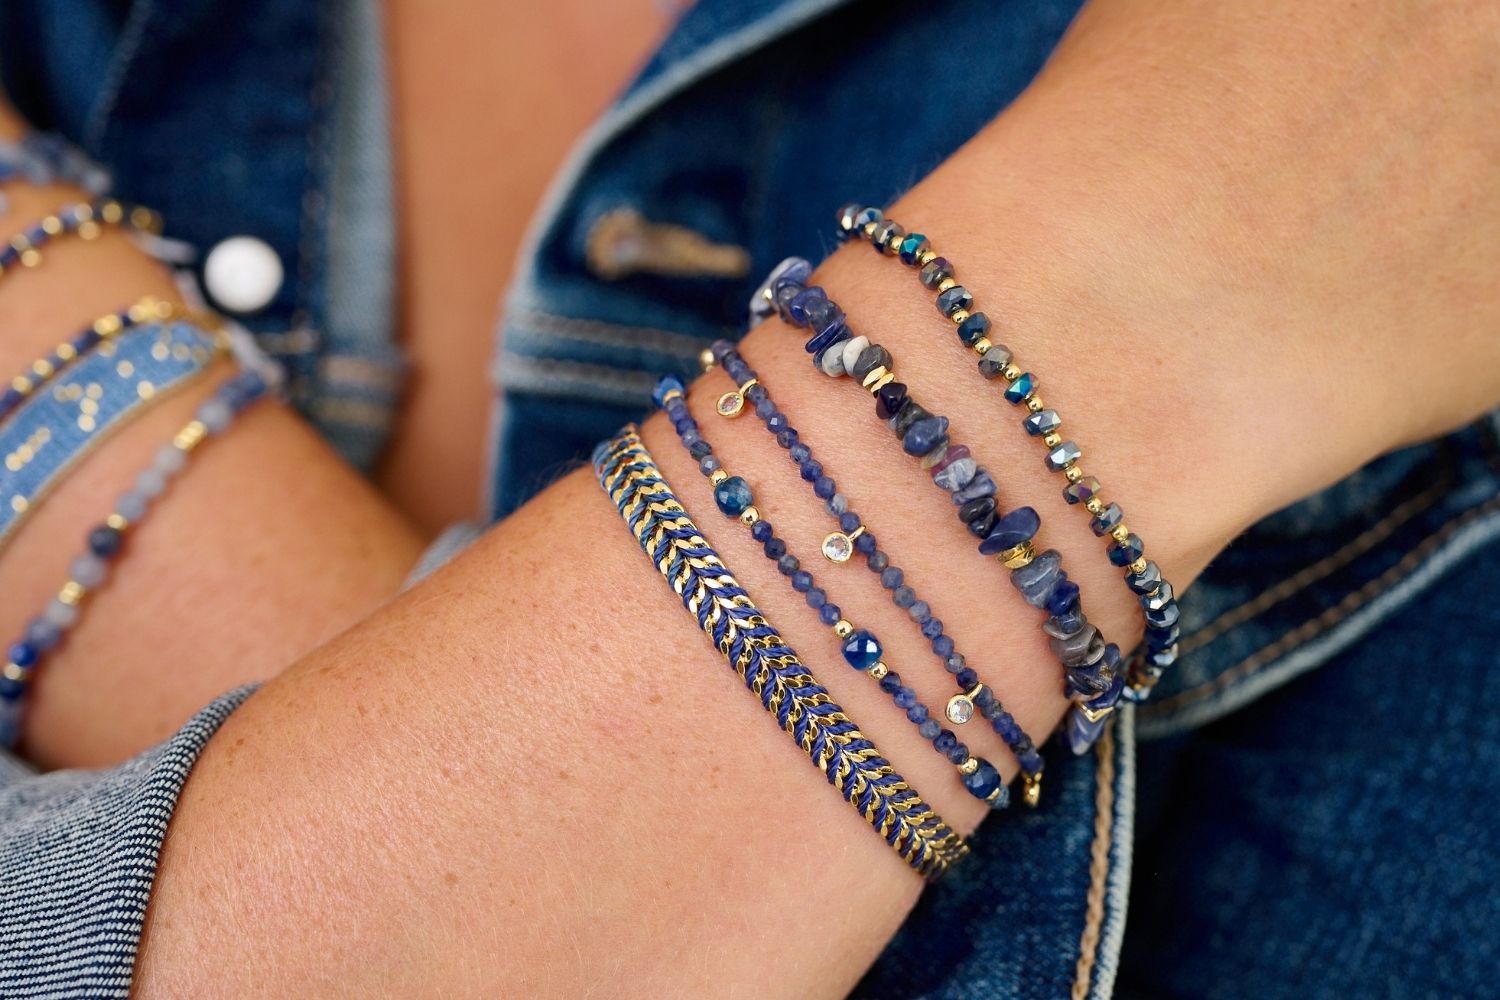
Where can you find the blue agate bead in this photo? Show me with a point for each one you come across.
(985, 785)
(862, 650)
(733, 496)
(925, 435)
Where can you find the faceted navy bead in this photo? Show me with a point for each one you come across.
(733, 496)
(932, 628)
(976, 509)
(788, 565)
(848, 523)
(1105, 521)
(1064, 597)
(1014, 528)
(929, 729)
(1064, 454)
(905, 697)
(1146, 580)
(802, 581)
(708, 465)
(958, 753)
(889, 399)
(865, 544)
(956, 298)
(1126, 552)
(700, 449)
(11, 690)
(1159, 598)
(984, 784)
(786, 437)
(981, 527)
(664, 385)
(1042, 422)
(829, 614)
(816, 597)
(1036, 579)
(756, 394)
(869, 359)
(1018, 390)
(824, 487)
(925, 435)
(811, 470)
(966, 678)
(881, 237)
(1082, 491)
(920, 612)
(1161, 638)
(854, 217)
(765, 409)
(10, 398)
(994, 361)
(891, 682)
(983, 697)
(104, 541)
(917, 714)
(982, 485)
(878, 561)
(890, 577)
(775, 548)
(904, 597)
(945, 741)
(954, 663)
(977, 325)
(799, 452)
(912, 247)
(761, 531)
(862, 650)
(1165, 616)
(935, 272)
(22, 654)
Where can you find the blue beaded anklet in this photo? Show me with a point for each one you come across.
(765, 663)
(86, 218)
(1126, 550)
(1090, 664)
(860, 647)
(852, 537)
(90, 570)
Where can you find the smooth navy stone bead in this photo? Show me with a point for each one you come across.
(811, 469)
(1146, 580)
(1105, 521)
(664, 385)
(708, 465)
(912, 247)
(865, 544)
(1064, 597)
(775, 547)
(848, 523)
(1126, 552)
(816, 598)
(905, 697)
(904, 597)
(862, 651)
(943, 645)
(910, 414)
(958, 754)
(1036, 579)
(869, 359)
(917, 714)
(1068, 620)
(984, 784)
(802, 581)
(788, 565)
(925, 435)
(700, 449)
(1014, 528)
(878, 561)
(822, 315)
(827, 336)
(971, 329)
(761, 531)
(889, 400)
(966, 678)
(945, 741)
(799, 452)
(1042, 422)
(929, 729)
(824, 487)
(932, 628)
(1161, 638)
(981, 527)
(796, 309)
(935, 272)
(733, 496)
(22, 654)
(1021, 387)
(891, 683)
(1165, 616)
(982, 485)
(956, 298)
(105, 541)
(975, 509)
(829, 614)
(958, 473)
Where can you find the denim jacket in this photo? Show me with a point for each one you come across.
(1238, 798)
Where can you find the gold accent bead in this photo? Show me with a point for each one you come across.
(926, 257)
(1034, 403)
(190, 436)
(843, 629)
(717, 476)
(21, 384)
(52, 225)
(878, 671)
(749, 516)
(1019, 556)
(15, 672)
(981, 345)
(71, 593)
(1073, 472)
(1052, 439)
(66, 352)
(958, 316)
(882, 382)
(144, 218)
(89, 230)
(1094, 505)
(1031, 792)
(31, 258)
(1139, 566)
(112, 212)
(946, 284)
(875, 375)
(107, 326)
(668, 395)
(1120, 532)
(1010, 373)
(117, 521)
(706, 359)
(969, 766)
(869, 228)
(1095, 714)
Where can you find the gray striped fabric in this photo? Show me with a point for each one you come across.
(78, 854)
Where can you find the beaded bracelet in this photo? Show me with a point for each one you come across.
(98, 394)
(853, 537)
(90, 570)
(1126, 550)
(48, 158)
(88, 219)
(861, 648)
(765, 663)
(42, 371)
(1090, 664)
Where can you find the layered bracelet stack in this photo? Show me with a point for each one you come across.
(85, 219)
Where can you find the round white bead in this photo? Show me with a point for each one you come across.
(243, 274)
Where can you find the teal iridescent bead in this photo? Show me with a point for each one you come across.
(912, 247)
(1018, 390)
(733, 496)
(971, 329)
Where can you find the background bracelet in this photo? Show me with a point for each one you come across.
(860, 647)
(90, 570)
(1090, 664)
(48, 158)
(765, 663)
(87, 219)
(1144, 578)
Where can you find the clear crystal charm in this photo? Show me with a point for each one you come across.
(838, 547)
(730, 404)
(960, 709)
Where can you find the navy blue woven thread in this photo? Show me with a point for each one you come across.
(766, 664)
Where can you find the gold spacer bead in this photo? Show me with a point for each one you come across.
(1073, 472)
(1031, 793)
(926, 257)
(21, 384)
(717, 476)
(959, 315)
(981, 345)
(869, 228)
(89, 230)
(15, 672)
(1094, 505)
(1034, 403)
(1052, 439)
(1120, 532)
(706, 359)
(71, 593)
(875, 375)
(31, 258)
(52, 225)
(143, 310)
(882, 382)
(1139, 566)
(878, 671)
(107, 326)
(671, 394)
(117, 521)
(945, 284)
(1019, 556)
(144, 218)
(191, 435)
(750, 515)
(112, 212)
(1010, 373)
(843, 629)
(969, 766)
(66, 352)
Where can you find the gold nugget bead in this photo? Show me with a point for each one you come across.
(1020, 556)
(706, 359)
(1139, 566)
(1073, 472)
(1120, 532)
(1031, 792)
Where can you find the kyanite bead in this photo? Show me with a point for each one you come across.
(132, 505)
(733, 496)
(985, 785)
(925, 435)
(1064, 598)
(1105, 521)
(1146, 580)
(827, 336)
(1080, 648)
(1064, 454)
(975, 509)
(852, 349)
(869, 359)
(104, 541)
(910, 414)
(169, 460)
(956, 474)
(980, 527)
(1018, 390)
(22, 654)
(1042, 422)
(935, 272)
(1082, 491)
(1014, 528)
(980, 486)
(1036, 579)
(912, 247)
(861, 649)
(971, 329)
(796, 310)
(904, 597)
(1126, 552)
(889, 399)
(664, 385)
(956, 298)
(994, 360)
(928, 730)
(792, 269)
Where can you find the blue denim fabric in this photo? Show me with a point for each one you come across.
(1307, 814)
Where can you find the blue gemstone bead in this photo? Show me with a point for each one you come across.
(925, 435)
(1064, 597)
(904, 597)
(890, 577)
(700, 449)
(920, 612)
(1018, 390)
(1082, 491)
(827, 336)
(985, 785)
(775, 547)
(966, 678)
(11, 690)
(1012, 529)
(945, 741)
(912, 247)
(954, 663)
(829, 614)
(935, 272)
(1068, 620)
(22, 654)
(708, 465)
(943, 645)
(824, 487)
(1146, 580)
(811, 469)
(1161, 638)
(787, 437)
(982, 485)
(788, 565)
(816, 598)
(932, 628)
(105, 541)
(878, 561)
(1158, 598)
(796, 310)
(1164, 617)
(761, 531)
(862, 650)
(1042, 422)
(956, 298)
(929, 729)
(1126, 552)
(776, 422)
(822, 315)
(799, 453)
(848, 522)
(1106, 520)
(905, 697)
(664, 385)
(865, 544)
(958, 754)
(917, 714)
(977, 325)
(733, 496)
(1058, 458)
(802, 581)
(1036, 579)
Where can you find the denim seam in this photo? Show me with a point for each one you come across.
(353, 412)
(1104, 814)
(606, 334)
(132, 35)
(577, 380)
(1337, 627)
(1110, 859)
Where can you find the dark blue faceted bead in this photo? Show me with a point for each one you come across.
(1161, 638)
(848, 522)
(925, 435)
(945, 741)
(862, 650)
(799, 452)
(786, 437)
(1064, 597)
(984, 696)
(854, 217)
(811, 469)
(956, 298)
(1126, 552)
(765, 409)
(708, 465)
(985, 785)
(1158, 598)
(935, 272)
(802, 581)
(816, 598)
(1105, 521)
(829, 614)
(776, 422)
(977, 325)
(1146, 580)
(904, 597)
(982, 485)
(878, 561)
(1031, 761)
(1021, 387)
(824, 487)
(105, 541)
(958, 754)
(891, 683)
(889, 399)
(943, 645)
(1042, 422)
(664, 385)
(1163, 617)
(920, 613)
(700, 449)
(865, 544)
(905, 697)
(912, 247)
(917, 714)
(11, 690)
(932, 628)
(761, 531)
(9, 255)
(775, 547)
(733, 496)
(890, 577)
(966, 678)
(929, 729)
(954, 663)
(756, 394)
(22, 654)
(788, 565)
(1010, 530)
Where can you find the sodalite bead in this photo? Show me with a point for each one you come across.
(1104, 522)
(910, 414)
(993, 362)
(985, 785)
(796, 309)
(912, 247)
(827, 336)
(889, 400)
(904, 597)
(1014, 528)
(830, 360)
(852, 349)
(956, 474)
(870, 358)
(793, 269)
(980, 486)
(956, 298)
(980, 527)
(1021, 387)
(1064, 597)
(976, 509)
(971, 329)
(1069, 620)
(104, 541)
(929, 729)
(664, 385)
(862, 650)
(925, 435)
(1042, 422)
(1126, 552)
(1059, 457)
(733, 496)
(1036, 579)
(1082, 647)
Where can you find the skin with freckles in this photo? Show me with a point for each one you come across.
(1230, 242)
